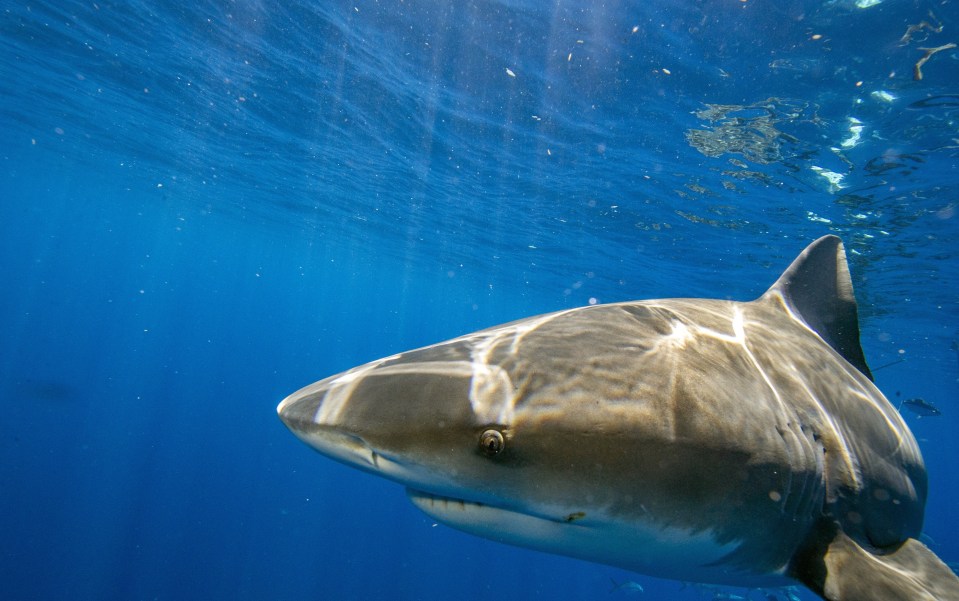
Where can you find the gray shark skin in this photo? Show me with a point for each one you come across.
(703, 440)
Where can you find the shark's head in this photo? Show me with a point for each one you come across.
(410, 418)
(440, 420)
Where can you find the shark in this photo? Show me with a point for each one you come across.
(703, 440)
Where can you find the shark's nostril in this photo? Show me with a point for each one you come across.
(357, 446)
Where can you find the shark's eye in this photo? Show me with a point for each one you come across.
(491, 442)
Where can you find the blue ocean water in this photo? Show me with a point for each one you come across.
(208, 205)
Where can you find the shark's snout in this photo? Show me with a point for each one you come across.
(299, 409)
(301, 413)
(389, 417)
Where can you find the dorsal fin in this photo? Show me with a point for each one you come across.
(818, 290)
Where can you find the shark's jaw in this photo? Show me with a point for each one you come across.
(491, 520)
(497, 522)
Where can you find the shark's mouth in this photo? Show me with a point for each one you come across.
(561, 531)
(432, 503)
(460, 512)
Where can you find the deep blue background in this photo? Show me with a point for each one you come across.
(205, 206)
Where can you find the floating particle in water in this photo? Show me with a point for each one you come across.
(917, 70)
(883, 96)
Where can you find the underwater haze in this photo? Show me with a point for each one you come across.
(207, 205)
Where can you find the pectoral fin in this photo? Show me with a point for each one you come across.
(841, 570)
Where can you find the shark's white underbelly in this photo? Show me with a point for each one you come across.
(639, 546)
